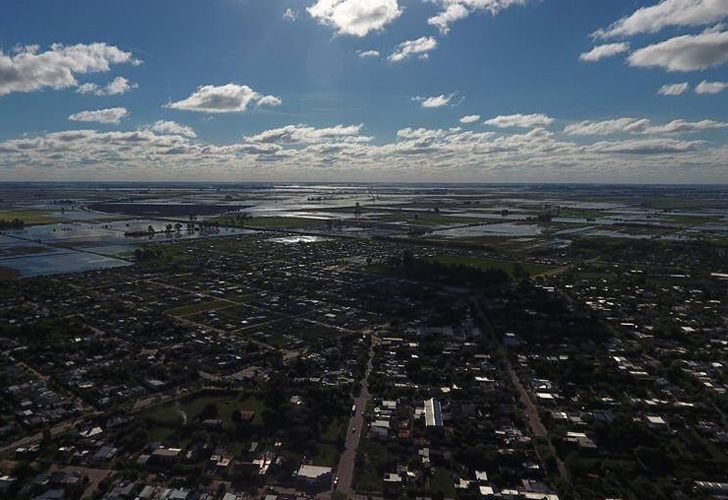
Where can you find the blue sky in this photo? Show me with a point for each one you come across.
(279, 90)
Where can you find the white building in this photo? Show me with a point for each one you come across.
(313, 474)
(433, 413)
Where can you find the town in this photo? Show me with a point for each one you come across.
(282, 342)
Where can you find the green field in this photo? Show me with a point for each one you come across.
(327, 455)
(335, 430)
(273, 222)
(198, 308)
(170, 414)
(30, 217)
(376, 460)
(692, 220)
(531, 268)
(433, 219)
(444, 220)
(441, 482)
(7, 274)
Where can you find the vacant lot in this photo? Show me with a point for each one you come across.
(274, 222)
(190, 408)
(199, 307)
(8, 274)
(531, 268)
(30, 217)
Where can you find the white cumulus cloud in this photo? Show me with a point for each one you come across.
(106, 116)
(117, 86)
(520, 120)
(300, 134)
(230, 98)
(437, 101)
(469, 119)
(673, 89)
(27, 69)
(684, 53)
(454, 10)
(340, 150)
(706, 87)
(168, 127)
(646, 146)
(665, 14)
(290, 15)
(420, 47)
(355, 17)
(364, 54)
(627, 125)
(601, 51)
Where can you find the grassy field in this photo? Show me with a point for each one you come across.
(531, 268)
(159, 433)
(667, 202)
(443, 220)
(7, 274)
(327, 455)
(335, 430)
(432, 219)
(30, 217)
(376, 457)
(441, 482)
(274, 222)
(693, 220)
(170, 414)
(198, 308)
(578, 213)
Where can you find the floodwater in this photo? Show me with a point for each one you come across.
(84, 246)
(288, 240)
(82, 233)
(60, 261)
(504, 229)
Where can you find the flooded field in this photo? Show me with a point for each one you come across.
(505, 229)
(289, 240)
(81, 246)
(61, 262)
(73, 227)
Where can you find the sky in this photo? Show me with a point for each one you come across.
(617, 91)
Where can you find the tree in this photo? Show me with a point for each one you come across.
(519, 272)
(210, 411)
(46, 437)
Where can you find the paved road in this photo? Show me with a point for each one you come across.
(531, 412)
(347, 462)
(56, 430)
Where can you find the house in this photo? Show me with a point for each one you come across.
(313, 475)
(164, 455)
(511, 340)
(380, 429)
(433, 413)
(54, 494)
(656, 422)
(104, 454)
(392, 483)
(486, 491)
(712, 487)
(6, 482)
